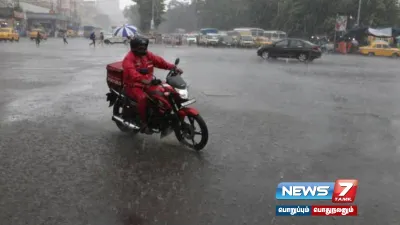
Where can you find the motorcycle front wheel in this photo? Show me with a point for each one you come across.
(188, 132)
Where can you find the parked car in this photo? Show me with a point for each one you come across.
(323, 42)
(155, 38)
(191, 39)
(172, 39)
(8, 34)
(291, 48)
(34, 32)
(212, 39)
(202, 40)
(247, 41)
(227, 41)
(166, 39)
(111, 39)
(380, 48)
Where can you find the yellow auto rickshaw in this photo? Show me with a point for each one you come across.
(8, 34)
(71, 33)
(260, 41)
(34, 32)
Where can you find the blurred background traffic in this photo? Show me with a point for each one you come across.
(347, 27)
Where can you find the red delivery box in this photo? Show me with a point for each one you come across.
(114, 76)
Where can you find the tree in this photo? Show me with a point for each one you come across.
(179, 15)
(159, 11)
(145, 12)
(298, 17)
(223, 14)
(132, 14)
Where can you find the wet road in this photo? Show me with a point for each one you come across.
(63, 161)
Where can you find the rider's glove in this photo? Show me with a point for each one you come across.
(156, 82)
(178, 70)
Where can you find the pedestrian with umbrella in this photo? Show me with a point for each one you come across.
(126, 31)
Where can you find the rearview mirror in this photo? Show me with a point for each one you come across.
(176, 61)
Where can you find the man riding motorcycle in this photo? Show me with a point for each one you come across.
(138, 66)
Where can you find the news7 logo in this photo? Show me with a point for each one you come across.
(341, 191)
(345, 191)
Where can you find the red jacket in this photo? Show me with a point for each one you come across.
(132, 64)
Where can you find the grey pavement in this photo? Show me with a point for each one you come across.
(63, 161)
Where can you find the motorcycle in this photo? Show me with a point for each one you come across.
(167, 110)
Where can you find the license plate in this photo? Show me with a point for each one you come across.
(189, 102)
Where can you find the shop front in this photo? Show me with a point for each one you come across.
(6, 15)
(51, 23)
(11, 18)
(19, 23)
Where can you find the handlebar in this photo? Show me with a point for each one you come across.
(173, 72)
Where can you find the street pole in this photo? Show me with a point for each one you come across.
(152, 15)
(197, 15)
(334, 37)
(359, 12)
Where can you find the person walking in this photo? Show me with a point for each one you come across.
(65, 38)
(101, 39)
(38, 37)
(93, 38)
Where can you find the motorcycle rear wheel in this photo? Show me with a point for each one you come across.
(186, 135)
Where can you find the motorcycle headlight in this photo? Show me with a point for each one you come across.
(183, 93)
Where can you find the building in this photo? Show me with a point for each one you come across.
(52, 15)
(27, 7)
(78, 7)
(6, 3)
(9, 17)
(48, 4)
(89, 10)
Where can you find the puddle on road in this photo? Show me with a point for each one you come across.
(30, 104)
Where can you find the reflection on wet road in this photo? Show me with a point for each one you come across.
(63, 161)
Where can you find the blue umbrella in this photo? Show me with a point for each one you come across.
(125, 31)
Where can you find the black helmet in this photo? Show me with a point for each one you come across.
(139, 45)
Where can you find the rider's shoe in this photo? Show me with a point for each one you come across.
(146, 129)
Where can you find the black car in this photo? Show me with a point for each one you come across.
(290, 48)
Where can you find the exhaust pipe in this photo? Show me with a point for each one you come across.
(119, 119)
